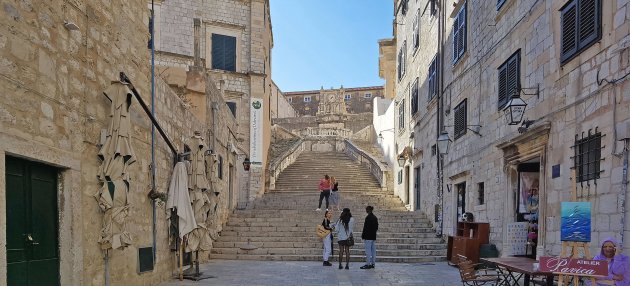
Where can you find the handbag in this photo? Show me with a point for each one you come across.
(321, 231)
(350, 241)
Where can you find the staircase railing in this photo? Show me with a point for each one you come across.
(377, 169)
(284, 160)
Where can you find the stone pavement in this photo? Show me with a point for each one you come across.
(284, 273)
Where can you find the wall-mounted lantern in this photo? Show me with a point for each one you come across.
(246, 164)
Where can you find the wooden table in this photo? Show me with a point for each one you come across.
(513, 268)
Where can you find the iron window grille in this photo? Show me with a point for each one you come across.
(401, 115)
(587, 156)
(432, 81)
(459, 34)
(414, 97)
(461, 114)
(581, 24)
(509, 78)
(223, 52)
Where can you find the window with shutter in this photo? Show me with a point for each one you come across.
(232, 106)
(580, 25)
(403, 7)
(459, 34)
(401, 115)
(509, 79)
(150, 41)
(416, 31)
(402, 59)
(500, 4)
(460, 119)
(223, 52)
(414, 97)
(433, 7)
(432, 82)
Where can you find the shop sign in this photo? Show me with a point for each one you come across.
(574, 266)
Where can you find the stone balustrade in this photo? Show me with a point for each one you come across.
(325, 132)
(364, 158)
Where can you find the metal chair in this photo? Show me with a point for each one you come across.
(472, 277)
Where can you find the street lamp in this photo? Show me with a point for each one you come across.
(443, 142)
(514, 110)
(401, 160)
(246, 164)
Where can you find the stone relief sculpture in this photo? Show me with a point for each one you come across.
(331, 103)
(116, 156)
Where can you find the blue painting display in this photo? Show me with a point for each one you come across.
(575, 221)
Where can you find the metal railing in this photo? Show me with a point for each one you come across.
(284, 160)
(375, 167)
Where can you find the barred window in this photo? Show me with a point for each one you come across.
(588, 151)
(460, 119)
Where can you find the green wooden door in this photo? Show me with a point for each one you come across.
(32, 236)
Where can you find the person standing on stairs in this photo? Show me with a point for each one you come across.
(334, 195)
(370, 227)
(324, 191)
(328, 240)
(344, 228)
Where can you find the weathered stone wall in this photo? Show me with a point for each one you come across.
(571, 102)
(250, 23)
(53, 112)
(280, 106)
(354, 122)
(358, 103)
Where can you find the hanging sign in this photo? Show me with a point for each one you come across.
(256, 131)
(574, 266)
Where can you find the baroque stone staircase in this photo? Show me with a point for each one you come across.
(281, 224)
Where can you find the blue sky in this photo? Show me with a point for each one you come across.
(328, 42)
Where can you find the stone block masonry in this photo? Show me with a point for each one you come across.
(53, 111)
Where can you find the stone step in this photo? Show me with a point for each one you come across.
(273, 221)
(311, 233)
(353, 258)
(314, 239)
(318, 245)
(382, 225)
(355, 250)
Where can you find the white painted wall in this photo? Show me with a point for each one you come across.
(384, 124)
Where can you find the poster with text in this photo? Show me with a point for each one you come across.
(517, 238)
(256, 131)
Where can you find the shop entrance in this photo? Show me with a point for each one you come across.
(527, 202)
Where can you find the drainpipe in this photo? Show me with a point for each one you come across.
(440, 115)
(153, 225)
(624, 189)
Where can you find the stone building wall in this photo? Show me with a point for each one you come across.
(54, 110)
(573, 98)
(250, 23)
(280, 106)
(353, 122)
(358, 102)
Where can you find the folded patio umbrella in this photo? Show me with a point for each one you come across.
(179, 200)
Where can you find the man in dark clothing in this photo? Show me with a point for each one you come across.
(370, 227)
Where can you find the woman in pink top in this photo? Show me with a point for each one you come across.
(324, 191)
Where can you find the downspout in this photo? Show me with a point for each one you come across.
(624, 188)
(153, 206)
(439, 121)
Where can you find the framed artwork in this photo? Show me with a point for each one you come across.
(575, 221)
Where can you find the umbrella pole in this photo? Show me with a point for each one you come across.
(197, 263)
(181, 260)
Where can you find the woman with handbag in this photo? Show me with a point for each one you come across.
(344, 228)
(327, 240)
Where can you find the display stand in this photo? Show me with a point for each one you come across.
(571, 249)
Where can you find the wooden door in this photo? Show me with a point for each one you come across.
(32, 231)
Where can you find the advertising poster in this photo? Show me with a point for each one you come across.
(256, 131)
